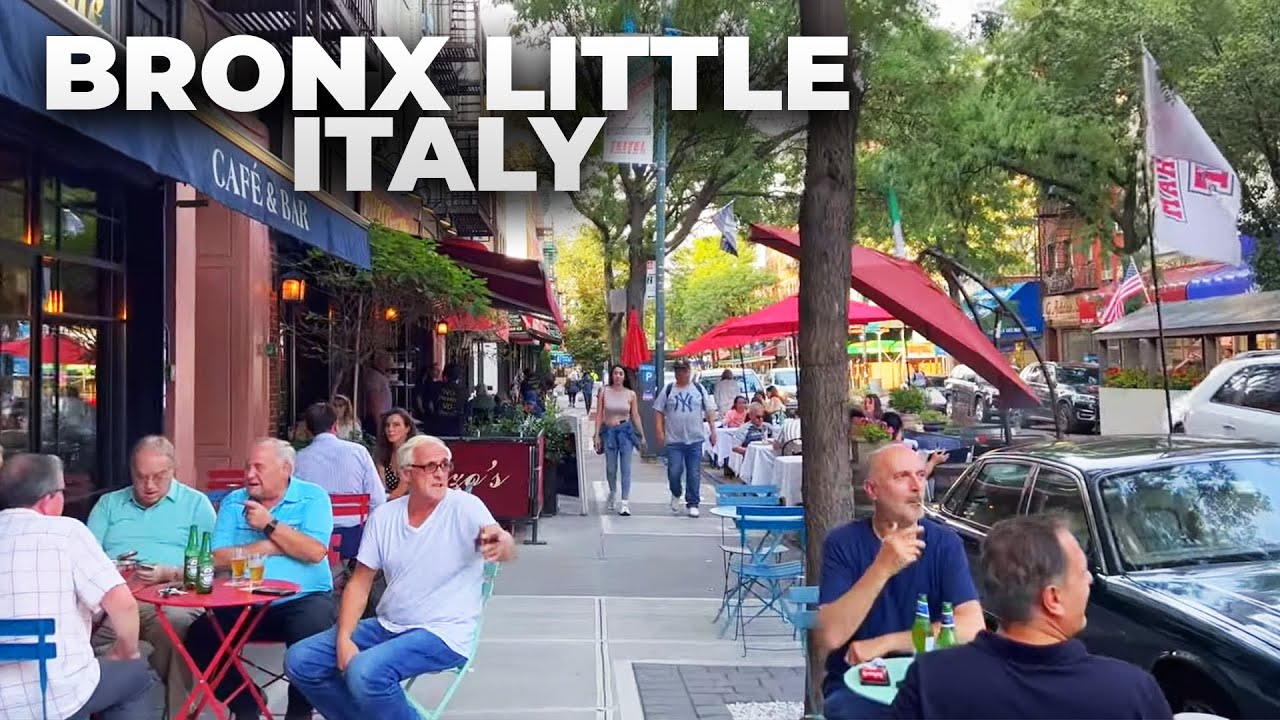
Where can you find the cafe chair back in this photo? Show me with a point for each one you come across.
(40, 651)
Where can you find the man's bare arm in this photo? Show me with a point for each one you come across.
(122, 610)
(838, 621)
(298, 545)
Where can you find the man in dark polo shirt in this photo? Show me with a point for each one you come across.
(872, 572)
(1036, 579)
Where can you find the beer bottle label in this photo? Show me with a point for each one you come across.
(192, 567)
(206, 576)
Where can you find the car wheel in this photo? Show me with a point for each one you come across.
(980, 409)
(1188, 691)
(950, 408)
(1064, 417)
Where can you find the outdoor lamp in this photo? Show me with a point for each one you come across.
(442, 328)
(53, 302)
(293, 288)
(391, 314)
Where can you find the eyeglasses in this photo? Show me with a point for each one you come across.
(432, 467)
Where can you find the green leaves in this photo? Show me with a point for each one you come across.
(709, 285)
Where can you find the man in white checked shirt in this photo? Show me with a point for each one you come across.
(52, 567)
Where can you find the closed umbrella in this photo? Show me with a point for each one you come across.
(635, 349)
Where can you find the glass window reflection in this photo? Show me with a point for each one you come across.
(1209, 512)
(68, 404)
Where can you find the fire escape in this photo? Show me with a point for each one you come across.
(279, 21)
(458, 73)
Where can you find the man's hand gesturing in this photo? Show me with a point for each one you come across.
(900, 548)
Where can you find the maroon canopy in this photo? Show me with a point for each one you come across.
(513, 283)
(902, 288)
(776, 320)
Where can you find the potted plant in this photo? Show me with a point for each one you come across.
(933, 420)
(908, 402)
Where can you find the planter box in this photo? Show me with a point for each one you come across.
(1124, 411)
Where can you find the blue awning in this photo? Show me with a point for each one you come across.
(176, 145)
(1023, 298)
(1228, 280)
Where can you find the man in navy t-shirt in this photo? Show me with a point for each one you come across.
(873, 571)
(1036, 579)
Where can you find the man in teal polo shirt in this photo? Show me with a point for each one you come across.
(290, 522)
(153, 517)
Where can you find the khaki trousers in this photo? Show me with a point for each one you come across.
(156, 647)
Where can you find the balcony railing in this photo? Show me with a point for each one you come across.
(459, 20)
(277, 21)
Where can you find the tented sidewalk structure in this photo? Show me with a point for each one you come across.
(777, 320)
(903, 289)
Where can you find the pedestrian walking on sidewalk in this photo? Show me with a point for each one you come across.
(586, 384)
(684, 418)
(618, 434)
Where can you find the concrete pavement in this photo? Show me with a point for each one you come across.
(571, 620)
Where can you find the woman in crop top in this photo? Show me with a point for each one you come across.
(618, 433)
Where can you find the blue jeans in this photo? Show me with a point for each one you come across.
(619, 443)
(844, 704)
(685, 458)
(371, 686)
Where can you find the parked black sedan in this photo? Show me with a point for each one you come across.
(1183, 538)
(1075, 402)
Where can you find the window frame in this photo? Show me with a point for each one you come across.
(1096, 556)
(965, 486)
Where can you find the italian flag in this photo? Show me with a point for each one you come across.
(899, 243)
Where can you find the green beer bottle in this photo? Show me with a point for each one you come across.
(947, 635)
(922, 629)
(204, 585)
(191, 560)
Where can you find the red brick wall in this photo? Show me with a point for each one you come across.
(275, 365)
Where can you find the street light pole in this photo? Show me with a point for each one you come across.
(660, 207)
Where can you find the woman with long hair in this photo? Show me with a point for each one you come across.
(618, 433)
(395, 427)
(348, 426)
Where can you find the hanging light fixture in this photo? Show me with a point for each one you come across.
(391, 314)
(442, 328)
(293, 287)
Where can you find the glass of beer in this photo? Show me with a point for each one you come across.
(239, 562)
(256, 563)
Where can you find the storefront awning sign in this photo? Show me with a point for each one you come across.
(177, 145)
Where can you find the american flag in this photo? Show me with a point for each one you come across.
(1130, 285)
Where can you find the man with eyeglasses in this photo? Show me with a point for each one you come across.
(153, 518)
(51, 567)
(431, 545)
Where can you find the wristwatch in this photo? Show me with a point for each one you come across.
(270, 527)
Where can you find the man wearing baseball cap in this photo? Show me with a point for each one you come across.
(681, 410)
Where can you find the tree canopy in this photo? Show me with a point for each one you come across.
(708, 285)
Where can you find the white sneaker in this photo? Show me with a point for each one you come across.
(693, 512)
(677, 504)
(612, 502)
(625, 510)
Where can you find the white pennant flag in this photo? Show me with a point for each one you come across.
(1196, 194)
(727, 223)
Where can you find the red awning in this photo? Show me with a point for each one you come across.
(903, 289)
(776, 320)
(514, 283)
(493, 322)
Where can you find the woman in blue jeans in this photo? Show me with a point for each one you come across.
(618, 434)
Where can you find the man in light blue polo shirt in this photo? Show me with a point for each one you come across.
(153, 517)
(290, 522)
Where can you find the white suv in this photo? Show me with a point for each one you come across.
(1239, 398)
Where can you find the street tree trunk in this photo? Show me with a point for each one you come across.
(826, 229)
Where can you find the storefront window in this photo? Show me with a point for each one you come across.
(78, 221)
(99, 12)
(68, 403)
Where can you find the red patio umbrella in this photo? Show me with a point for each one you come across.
(777, 320)
(69, 352)
(635, 349)
(902, 288)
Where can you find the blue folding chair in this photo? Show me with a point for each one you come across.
(40, 651)
(798, 601)
(727, 490)
(760, 575)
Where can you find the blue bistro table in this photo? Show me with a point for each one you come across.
(883, 694)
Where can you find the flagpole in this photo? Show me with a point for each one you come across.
(1155, 290)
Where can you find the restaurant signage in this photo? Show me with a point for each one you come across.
(503, 472)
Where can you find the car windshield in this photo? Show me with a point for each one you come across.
(784, 377)
(1196, 513)
(1078, 376)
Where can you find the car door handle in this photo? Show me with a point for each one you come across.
(1228, 426)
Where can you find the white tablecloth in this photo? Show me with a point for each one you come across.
(726, 440)
(786, 475)
(757, 464)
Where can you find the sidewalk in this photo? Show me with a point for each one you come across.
(612, 620)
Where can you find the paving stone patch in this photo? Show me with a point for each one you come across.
(706, 692)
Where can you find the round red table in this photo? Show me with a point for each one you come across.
(224, 595)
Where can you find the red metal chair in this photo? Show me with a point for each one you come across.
(224, 479)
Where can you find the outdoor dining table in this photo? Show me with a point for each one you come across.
(883, 694)
(225, 595)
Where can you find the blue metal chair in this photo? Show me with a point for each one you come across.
(40, 651)
(759, 574)
(727, 490)
(798, 600)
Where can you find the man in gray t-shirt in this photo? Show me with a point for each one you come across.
(682, 409)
